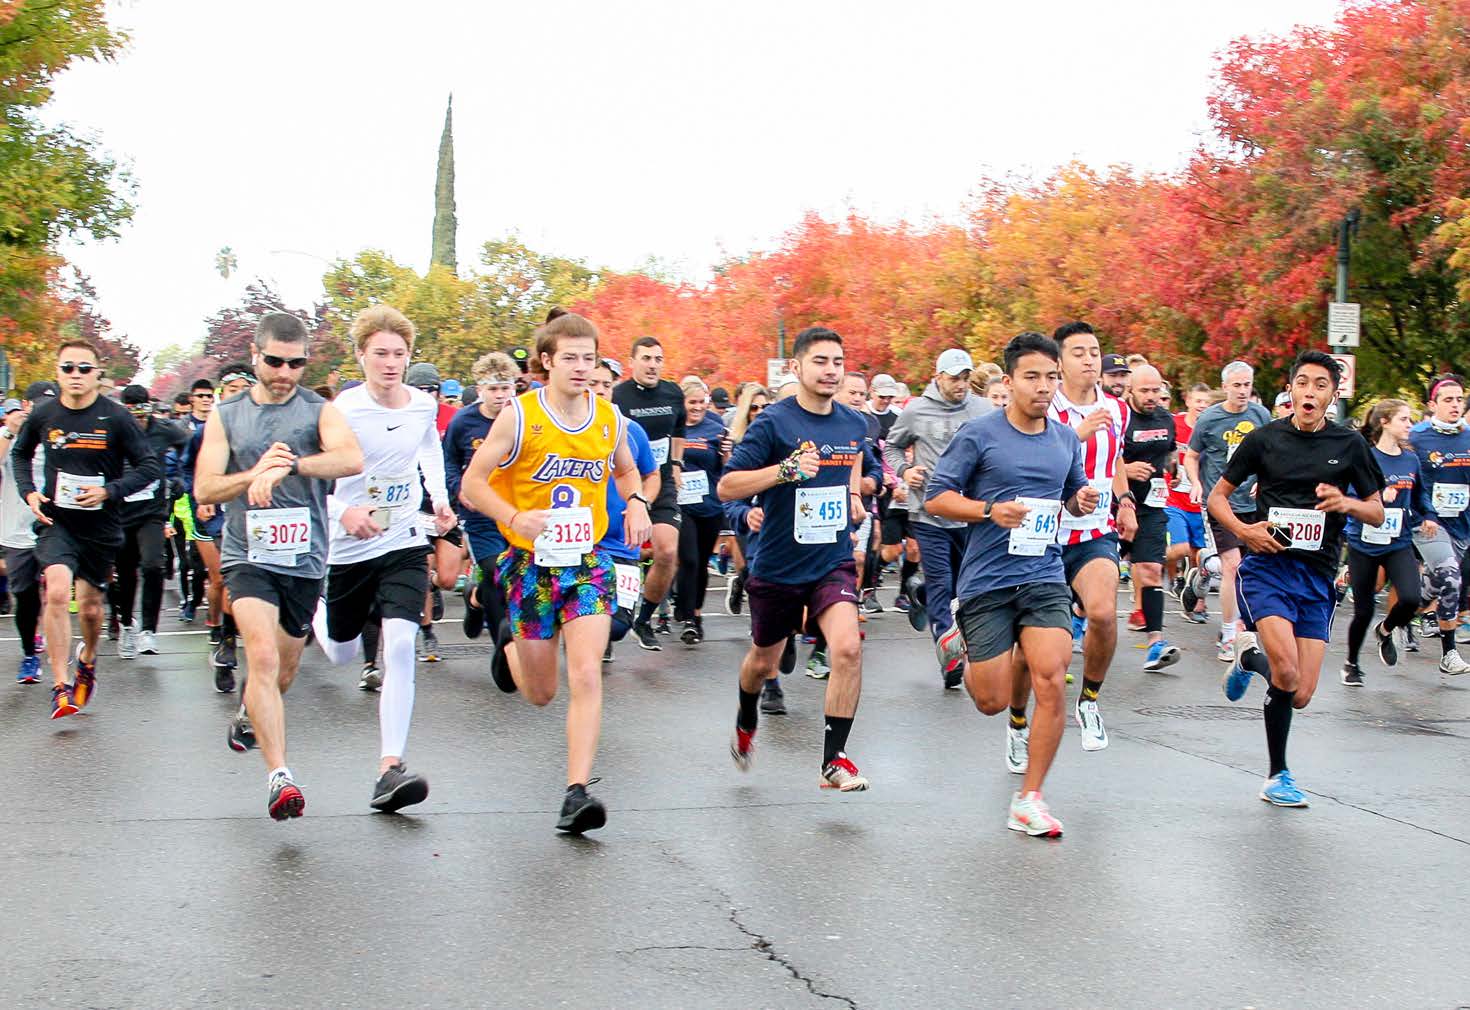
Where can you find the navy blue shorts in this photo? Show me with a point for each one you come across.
(1076, 556)
(1274, 585)
(1185, 527)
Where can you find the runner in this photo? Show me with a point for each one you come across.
(1217, 434)
(804, 458)
(1443, 448)
(18, 544)
(1008, 475)
(1149, 454)
(90, 442)
(753, 399)
(377, 536)
(1303, 466)
(706, 447)
(1115, 374)
(658, 405)
(1186, 525)
(1388, 547)
(541, 474)
(208, 522)
(271, 453)
(924, 430)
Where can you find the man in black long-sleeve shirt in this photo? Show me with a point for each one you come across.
(96, 456)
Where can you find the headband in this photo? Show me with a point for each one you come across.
(1448, 380)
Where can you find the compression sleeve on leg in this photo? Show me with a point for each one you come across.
(395, 703)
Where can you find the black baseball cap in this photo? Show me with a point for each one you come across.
(1115, 363)
(36, 390)
(134, 395)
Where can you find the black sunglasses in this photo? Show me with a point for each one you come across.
(67, 367)
(206, 396)
(756, 408)
(291, 363)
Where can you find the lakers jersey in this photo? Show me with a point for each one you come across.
(552, 466)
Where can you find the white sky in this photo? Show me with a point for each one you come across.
(606, 131)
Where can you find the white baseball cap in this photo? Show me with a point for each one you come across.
(954, 361)
(883, 385)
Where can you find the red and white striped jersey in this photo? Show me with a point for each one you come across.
(1100, 457)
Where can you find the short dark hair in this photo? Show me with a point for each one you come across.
(813, 335)
(1070, 330)
(202, 383)
(77, 343)
(646, 341)
(282, 326)
(1322, 360)
(182, 400)
(1030, 342)
(1447, 379)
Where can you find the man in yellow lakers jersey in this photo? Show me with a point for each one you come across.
(542, 475)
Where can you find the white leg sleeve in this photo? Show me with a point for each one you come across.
(336, 652)
(395, 703)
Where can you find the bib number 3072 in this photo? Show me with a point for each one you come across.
(277, 536)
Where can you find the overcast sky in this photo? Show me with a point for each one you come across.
(296, 132)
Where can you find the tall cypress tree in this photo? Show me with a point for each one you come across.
(445, 224)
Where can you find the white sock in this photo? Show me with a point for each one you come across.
(336, 652)
(283, 770)
(395, 703)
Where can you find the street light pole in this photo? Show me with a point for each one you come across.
(1346, 229)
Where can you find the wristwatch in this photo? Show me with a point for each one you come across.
(985, 516)
(1127, 498)
(638, 496)
(677, 462)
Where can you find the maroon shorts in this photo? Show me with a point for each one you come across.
(776, 608)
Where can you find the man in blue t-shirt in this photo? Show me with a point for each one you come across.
(1009, 475)
(804, 457)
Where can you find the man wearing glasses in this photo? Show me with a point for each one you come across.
(90, 441)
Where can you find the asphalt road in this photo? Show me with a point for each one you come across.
(138, 866)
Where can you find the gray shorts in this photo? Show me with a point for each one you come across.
(1440, 549)
(21, 568)
(992, 621)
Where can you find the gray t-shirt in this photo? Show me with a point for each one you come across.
(1217, 434)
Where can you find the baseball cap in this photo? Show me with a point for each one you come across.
(423, 374)
(1283, 399)
(720, 397)
(883, 385)
(134, 394)
(1115, 363)
(36, 390)
(785, 380)
(613, 366)
(12, 405)
(954, 361)
(451, 388)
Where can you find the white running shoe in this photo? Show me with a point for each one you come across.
(1089, 720)
(1029, 813)
(1453, 664)
(127, 642)
(147, 644)
(1018, 750)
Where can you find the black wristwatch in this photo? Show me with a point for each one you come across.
(638, 496)
(677, 462)
(985, 516)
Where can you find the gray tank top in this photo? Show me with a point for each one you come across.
(250, 429)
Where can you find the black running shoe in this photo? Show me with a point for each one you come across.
(438, 606)
(1411, 644)
(773, 699)
(5, 607)
(954, 678)
(644, 633)
(1351, 675)
(500, 663)
(371, 679)
(690, 635)
(580, 812)
(607, 654)
(474, 615)
(1388, 652)
(224, 679)
(223, 654)
(663, 627)
(788, 655)
(397, 788)
(240, 735)
(870, 602)
(735, 593)
(286, 799)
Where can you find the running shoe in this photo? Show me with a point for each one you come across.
(40, 641)
(816, 665)
(1462, 633)
(1281, 790)
(397, 788)
(1176, 586)
(1388, 652)
(1428, 626)
(114, 626)
(735, 593)
(500, 662)
(1136, 621)
(607, 654)
(286, 799)
(186, 613)
(1411, 644)
(950, 648)
(429, 645)
(1238, 678)
(30, 670)
(437, 606)
(773, 699)
(62, 702)
(690, 635)
(901, 603)
(580, 811)
(371, 679)
(646, 636)
(127, 642)
(240, 735)
(147, 643)
(662, 626)
(474, 616)
(1079, 631)
(1453, 664)
(223, 654)
(1089, 720)
(870, 602)
(1225, 649)
(842, 775)
(1195, 616)
(788, 655)
(1125, 572)
(742, 749)
(1352, 676)
(224, 680)
(1160, 655)
(86, 683)
(1030, 814)
(1018, 749)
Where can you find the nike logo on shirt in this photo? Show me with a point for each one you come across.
(394, 427)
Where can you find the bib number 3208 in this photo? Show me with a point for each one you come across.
(1305, 527)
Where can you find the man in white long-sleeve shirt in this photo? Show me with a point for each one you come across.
(378, 537)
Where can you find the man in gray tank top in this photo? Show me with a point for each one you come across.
(271, 453)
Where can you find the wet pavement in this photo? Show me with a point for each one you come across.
(138, 866)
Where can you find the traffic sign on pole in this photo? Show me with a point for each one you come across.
(1348, 384)
(1342, 324)
(775, 368)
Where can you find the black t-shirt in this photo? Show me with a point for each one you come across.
(886, 421)
(660, 409)
(1288, 464)
(1148, 438)
(164, 436)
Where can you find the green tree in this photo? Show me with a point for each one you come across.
(517, 285)
(446, 227)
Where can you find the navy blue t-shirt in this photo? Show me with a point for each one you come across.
(1444, 459)
(839, 438)
(702, 453)
(467, 429)
(991, 460)
(612, 540)
(1401, 479)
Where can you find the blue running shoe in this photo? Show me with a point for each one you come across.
(30, 670)
(1281, 790)
(1160, 655)
(1238, 678)
(1079, 628)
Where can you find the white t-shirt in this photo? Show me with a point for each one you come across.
(398, 444)
(16, 516)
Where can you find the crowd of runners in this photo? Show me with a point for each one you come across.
(576, 498)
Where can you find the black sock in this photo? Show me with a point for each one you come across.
(1018, 717)
(229, 626)
(749, 716)
(1090, 689)
(214, 632)
(834, 739)
(645, 611)
(1255, 661)
(1277, 713)
(906, 571)
(1447, 641)
(1153, 609)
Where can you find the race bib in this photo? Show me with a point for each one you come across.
(1158, 493)
(821, 514)
(144, 494)
(389, 496)
(1099, 515)
(660, 451)
(566, 538)
(1306, 526)
(1038, 529)
(277, 536)
(630, 586)
(1451, 499)
(69, 485)
(696, 486)
(1387, 531)
(1181, 477)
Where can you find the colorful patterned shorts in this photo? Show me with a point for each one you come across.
(540, 600)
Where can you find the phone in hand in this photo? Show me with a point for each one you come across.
(1280, 534)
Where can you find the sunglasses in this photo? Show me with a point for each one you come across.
(204, 396)
(756, 408)
(67, 367)
(291, 363)
(140, 408)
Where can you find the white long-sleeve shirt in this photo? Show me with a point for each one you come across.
(16, 517)
(398, 445)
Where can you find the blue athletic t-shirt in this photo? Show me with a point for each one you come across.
(702, 454)
(1444, 459)
(839, 438)
(612, 541)
(990, 460)
(467, 430)
(1401, 478)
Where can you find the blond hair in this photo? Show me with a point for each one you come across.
(741, 420)
(693, 385)
(496, 366)
(380, 319)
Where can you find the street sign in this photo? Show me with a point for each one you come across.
(1342, 324)
(1347, 387)
(775, 368)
